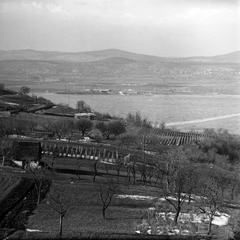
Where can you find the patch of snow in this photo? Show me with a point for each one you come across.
(221, 220)
(136, 197)
(177, 231)
(162, 199)
(185, 232)
(151, 208)
(33, 230)
(171, 198)
(19, 163)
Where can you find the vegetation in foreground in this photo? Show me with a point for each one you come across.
(84, 198)
(201, 174)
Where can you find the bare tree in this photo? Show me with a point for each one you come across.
(39, 175)
(103, 128)
(235, 180)
(106, 192)
(60, 200)
(150, 172)
(118, 166)
(116, 127)
(83, 125)
(179, 173)
(24, 90)
(19, 126)
(69, 127)
(210, 199)
(95, 162)
(143, 170)
(82, 107)
(55, 154)
(133, 170)
(31, 121)
(5, 146)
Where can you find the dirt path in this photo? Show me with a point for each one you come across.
(202, 120)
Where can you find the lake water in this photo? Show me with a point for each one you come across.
(170, 109)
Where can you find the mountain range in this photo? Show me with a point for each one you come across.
(113, 54)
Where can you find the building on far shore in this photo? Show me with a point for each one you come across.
(90, 116)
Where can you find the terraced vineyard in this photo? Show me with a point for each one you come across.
(165, 137)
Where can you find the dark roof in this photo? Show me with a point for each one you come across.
(25, 150)
(7, 92)
(61, 110)
(38, 107)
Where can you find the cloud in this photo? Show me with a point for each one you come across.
(54, 8)
(141, 24)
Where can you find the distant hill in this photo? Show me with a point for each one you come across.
(73, 57)
(92, 56)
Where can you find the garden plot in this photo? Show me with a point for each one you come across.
(161, 218)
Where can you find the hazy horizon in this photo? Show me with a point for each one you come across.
(98, 50)
(161, 28)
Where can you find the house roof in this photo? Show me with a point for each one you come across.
(25, 150)
(84, 114)
(38, 107)
(61, 110)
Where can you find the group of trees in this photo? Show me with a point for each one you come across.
(61, 127)
(209, 181)
(24, 90)
(138, 120)
(206, 174)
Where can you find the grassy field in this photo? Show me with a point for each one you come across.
(84, 217)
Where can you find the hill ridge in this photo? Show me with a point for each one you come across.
(89, 56)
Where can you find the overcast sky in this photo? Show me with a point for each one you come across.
(155, 27)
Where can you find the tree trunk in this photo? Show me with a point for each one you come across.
(167, 182)
(134, 178)
(156, 180)
(232, 192)
(39, 192)
(103, 212)
(118, 172)
(189, 198)
(95, 171)
(210, 224)
(134, 175)
(61, 223)
(177, 215)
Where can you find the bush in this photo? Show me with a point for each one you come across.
(137, 120)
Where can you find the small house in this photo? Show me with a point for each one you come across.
(90, 116)
(25, 153)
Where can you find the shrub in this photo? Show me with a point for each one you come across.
(137, 120)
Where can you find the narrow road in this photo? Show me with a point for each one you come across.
(202, 120)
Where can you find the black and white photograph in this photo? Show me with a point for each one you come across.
(120, 119)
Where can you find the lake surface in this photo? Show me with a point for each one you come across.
(175, 110)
